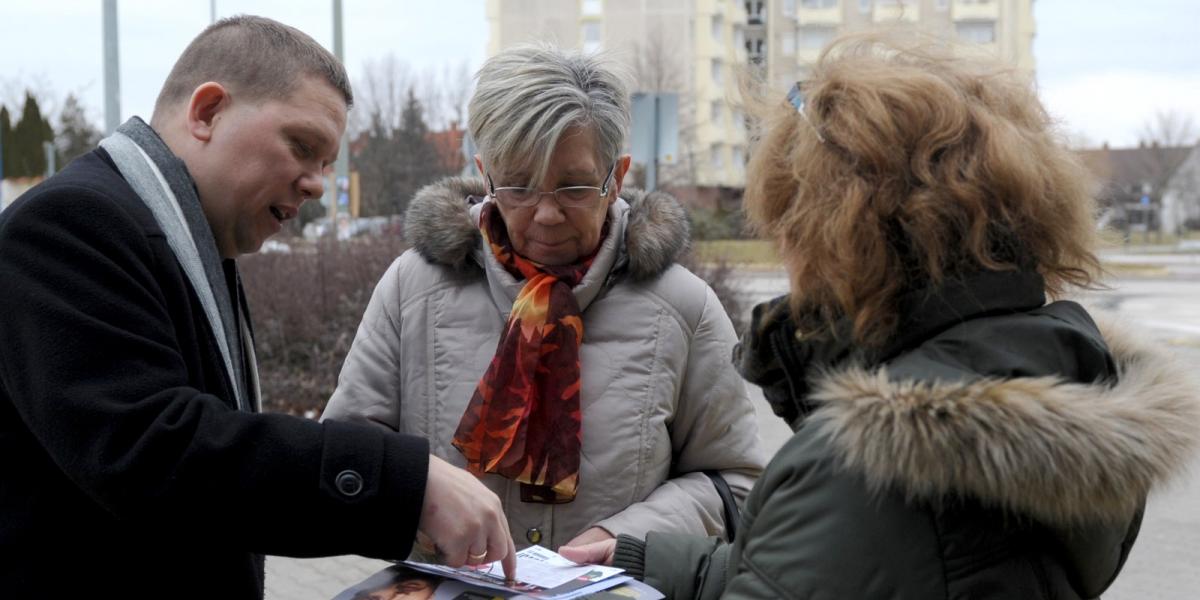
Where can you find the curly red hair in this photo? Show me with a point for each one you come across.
(933, 164)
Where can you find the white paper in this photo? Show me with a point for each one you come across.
(538, 570)
(548, 569)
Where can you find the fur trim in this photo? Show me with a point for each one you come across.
(657, 233)
(438, 224)
(438, 221)
(1063, 453)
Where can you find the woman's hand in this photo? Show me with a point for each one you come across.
(594, 546)
(593, 534)
(594, 553)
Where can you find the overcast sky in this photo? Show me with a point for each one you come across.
(1104, 66)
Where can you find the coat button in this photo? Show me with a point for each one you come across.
(349, 482)
(534, 535)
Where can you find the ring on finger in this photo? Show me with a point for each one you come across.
(479, 556)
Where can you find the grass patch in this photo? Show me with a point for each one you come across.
(739, 252)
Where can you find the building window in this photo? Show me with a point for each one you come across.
(789, 8)
(715, 157)
(980, 32)
(739, 158)
(592, 8)
(816, 3)
(814, 37)
(716, 71)
(941, 4)
(739, 38)
(715, 113)
(591, 37)
(754, 12)
(718, 28)
(864, 6)
(787, 43)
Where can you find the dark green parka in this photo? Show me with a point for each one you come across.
(998, 448)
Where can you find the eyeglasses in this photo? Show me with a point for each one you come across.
(796, 99)
(572, 196)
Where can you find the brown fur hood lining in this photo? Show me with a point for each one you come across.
(438, 224)
(1063, 453)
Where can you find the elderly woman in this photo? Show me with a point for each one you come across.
(956, 436)
(540, 334)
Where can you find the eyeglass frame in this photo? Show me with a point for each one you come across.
(796, 98)
(537, 198)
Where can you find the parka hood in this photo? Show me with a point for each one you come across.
(1064, 453)
(439, 225)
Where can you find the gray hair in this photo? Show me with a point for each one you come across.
(259, 58)
(529, 95)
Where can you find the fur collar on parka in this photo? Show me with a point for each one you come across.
(1063, 453)
(439, 226)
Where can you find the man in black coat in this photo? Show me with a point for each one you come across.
(135, 457)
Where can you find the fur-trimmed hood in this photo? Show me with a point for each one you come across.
(439, 225)
(1064, 453)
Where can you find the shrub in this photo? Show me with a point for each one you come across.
(722, 278)
(305, 306)
(716, 224)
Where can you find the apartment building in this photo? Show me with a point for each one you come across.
(794, 31)
(697, 47)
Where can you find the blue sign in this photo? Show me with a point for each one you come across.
(1145, 200)
(343, 191)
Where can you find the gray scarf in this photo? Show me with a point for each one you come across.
(164, 184)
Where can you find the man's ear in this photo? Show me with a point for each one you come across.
(479, 164)
(208, 101)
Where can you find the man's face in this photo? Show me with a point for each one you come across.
(264, 159)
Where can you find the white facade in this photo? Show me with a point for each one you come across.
(698, 48)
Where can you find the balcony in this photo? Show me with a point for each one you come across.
(815, 14)
(975, 10)
(896, 11)
(756, 13)
(756, 51)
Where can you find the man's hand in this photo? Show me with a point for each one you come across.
(464, 520)
(594, 553)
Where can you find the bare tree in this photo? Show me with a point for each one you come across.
(657, 68)
(1168, 138)
(13, 91)
(457, 85)
(380, 93)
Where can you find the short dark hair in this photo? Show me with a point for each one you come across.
(259, 58)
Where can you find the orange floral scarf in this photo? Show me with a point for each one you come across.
(524, 421)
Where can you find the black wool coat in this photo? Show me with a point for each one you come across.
(125, 469)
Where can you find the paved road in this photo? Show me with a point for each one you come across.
(1163, 565)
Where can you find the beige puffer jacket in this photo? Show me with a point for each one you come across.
(661, 400)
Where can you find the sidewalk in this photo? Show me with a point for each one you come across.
(316, 578)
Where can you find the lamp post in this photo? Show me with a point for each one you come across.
(112, 70)
(341, 167)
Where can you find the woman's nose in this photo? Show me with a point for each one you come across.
(547, 211)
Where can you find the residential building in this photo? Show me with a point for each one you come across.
(691, 47)
(799, 29)
(1181, 196)
(1146, 188)
(698, 48)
